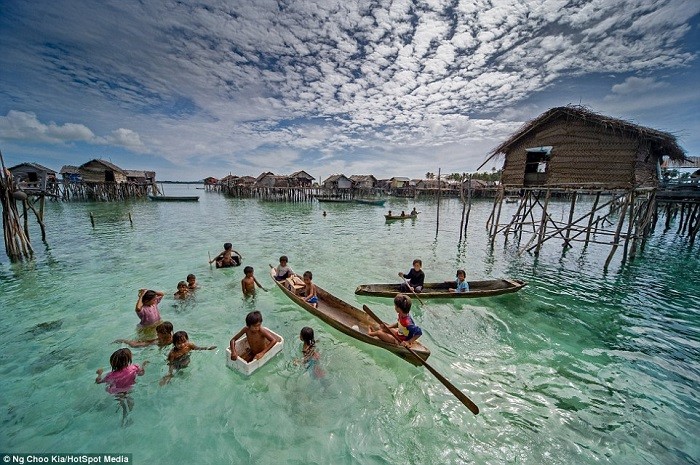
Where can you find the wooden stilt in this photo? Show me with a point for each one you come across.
(616, 239)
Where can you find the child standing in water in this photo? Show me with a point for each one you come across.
(248, 282)
(183, 291)
(121, 379)
(310, 356)
(147, 306)
(179, 356)
(192, 282)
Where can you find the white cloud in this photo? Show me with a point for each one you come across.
(227, 80)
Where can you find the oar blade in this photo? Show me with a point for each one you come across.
(450, 387)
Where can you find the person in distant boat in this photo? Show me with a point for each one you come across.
(147, 306)
(414, 279)
(260, 340)
(324, 212)
(228, 257)
(183, 291)
(284, 271)
(310, 293)
(405, 329)
(461, 284)
(310, 356)
(249, 282)
(179, 356)
(389, 214)
(192, 282)
(164, 337)
(122, 378)
(403, 213)
(414, 211)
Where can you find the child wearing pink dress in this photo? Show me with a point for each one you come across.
(121, 379)
(147, 307)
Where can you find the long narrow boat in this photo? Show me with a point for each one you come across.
(347, 319)
(400, 217)
(486, 288)
(376, 202)
(174, 198)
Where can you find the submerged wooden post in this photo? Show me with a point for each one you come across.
(590, 220)
(92, 220)
(616, 238)
(571, 218)
(437, 222)
(543, 222)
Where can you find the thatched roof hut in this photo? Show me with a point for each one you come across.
(575, 147)
(102, 171)
(337, 181)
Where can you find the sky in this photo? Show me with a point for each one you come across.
(391, 88)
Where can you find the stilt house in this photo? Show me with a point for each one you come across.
(33, 176)
(102, 171)
(574, 147)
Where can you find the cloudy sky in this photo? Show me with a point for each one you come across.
(392, 88)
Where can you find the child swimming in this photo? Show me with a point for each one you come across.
(121, 379)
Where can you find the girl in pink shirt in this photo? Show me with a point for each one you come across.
(121, 379)
(147, 307)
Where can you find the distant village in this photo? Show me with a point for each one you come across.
(99, 179)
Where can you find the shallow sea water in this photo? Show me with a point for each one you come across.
(582, 366)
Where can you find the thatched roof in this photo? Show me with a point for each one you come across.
(109, 165)
(70, 169)
(662, 143)
(34, 165)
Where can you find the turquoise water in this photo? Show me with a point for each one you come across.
(582, 366)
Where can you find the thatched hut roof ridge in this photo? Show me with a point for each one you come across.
(664, 143)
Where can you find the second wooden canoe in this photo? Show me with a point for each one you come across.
(348, 319)
(485, 288)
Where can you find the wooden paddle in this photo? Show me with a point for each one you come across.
(414, 292)
(450, 387)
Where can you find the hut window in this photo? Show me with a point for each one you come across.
(32, 177)
(109, 176)
(537, 159)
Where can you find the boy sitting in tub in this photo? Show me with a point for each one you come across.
(260, 340)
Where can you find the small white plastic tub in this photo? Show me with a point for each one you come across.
(248, 368)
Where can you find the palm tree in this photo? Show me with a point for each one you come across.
(429, 175)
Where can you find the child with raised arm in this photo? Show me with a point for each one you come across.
(414, 278)
(228, 257)
(248, 282)
(164, 337)
(461, 285)
(183, 291)
(260, 340)
(284, 271)
(122, 378)
(310, 293)
(147, 306)
(405, 329)
(179, 356)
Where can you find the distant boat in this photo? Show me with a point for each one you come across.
(401, 217)
(512, 199)
(377, 202)
(174, 198)
(322, 198)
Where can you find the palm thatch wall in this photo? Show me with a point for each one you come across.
(585, 149)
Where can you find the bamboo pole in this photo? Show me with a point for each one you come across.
(590, 220)
(543, 223)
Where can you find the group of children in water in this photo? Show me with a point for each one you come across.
(260, 340)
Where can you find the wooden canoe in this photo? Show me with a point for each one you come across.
(375, 202)
(486, 288)
(399, 217)
(174, 198)
(349, 320)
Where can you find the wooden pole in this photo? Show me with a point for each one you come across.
(616, 239)
(543, 222)
(590, 220)
(437, 223)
